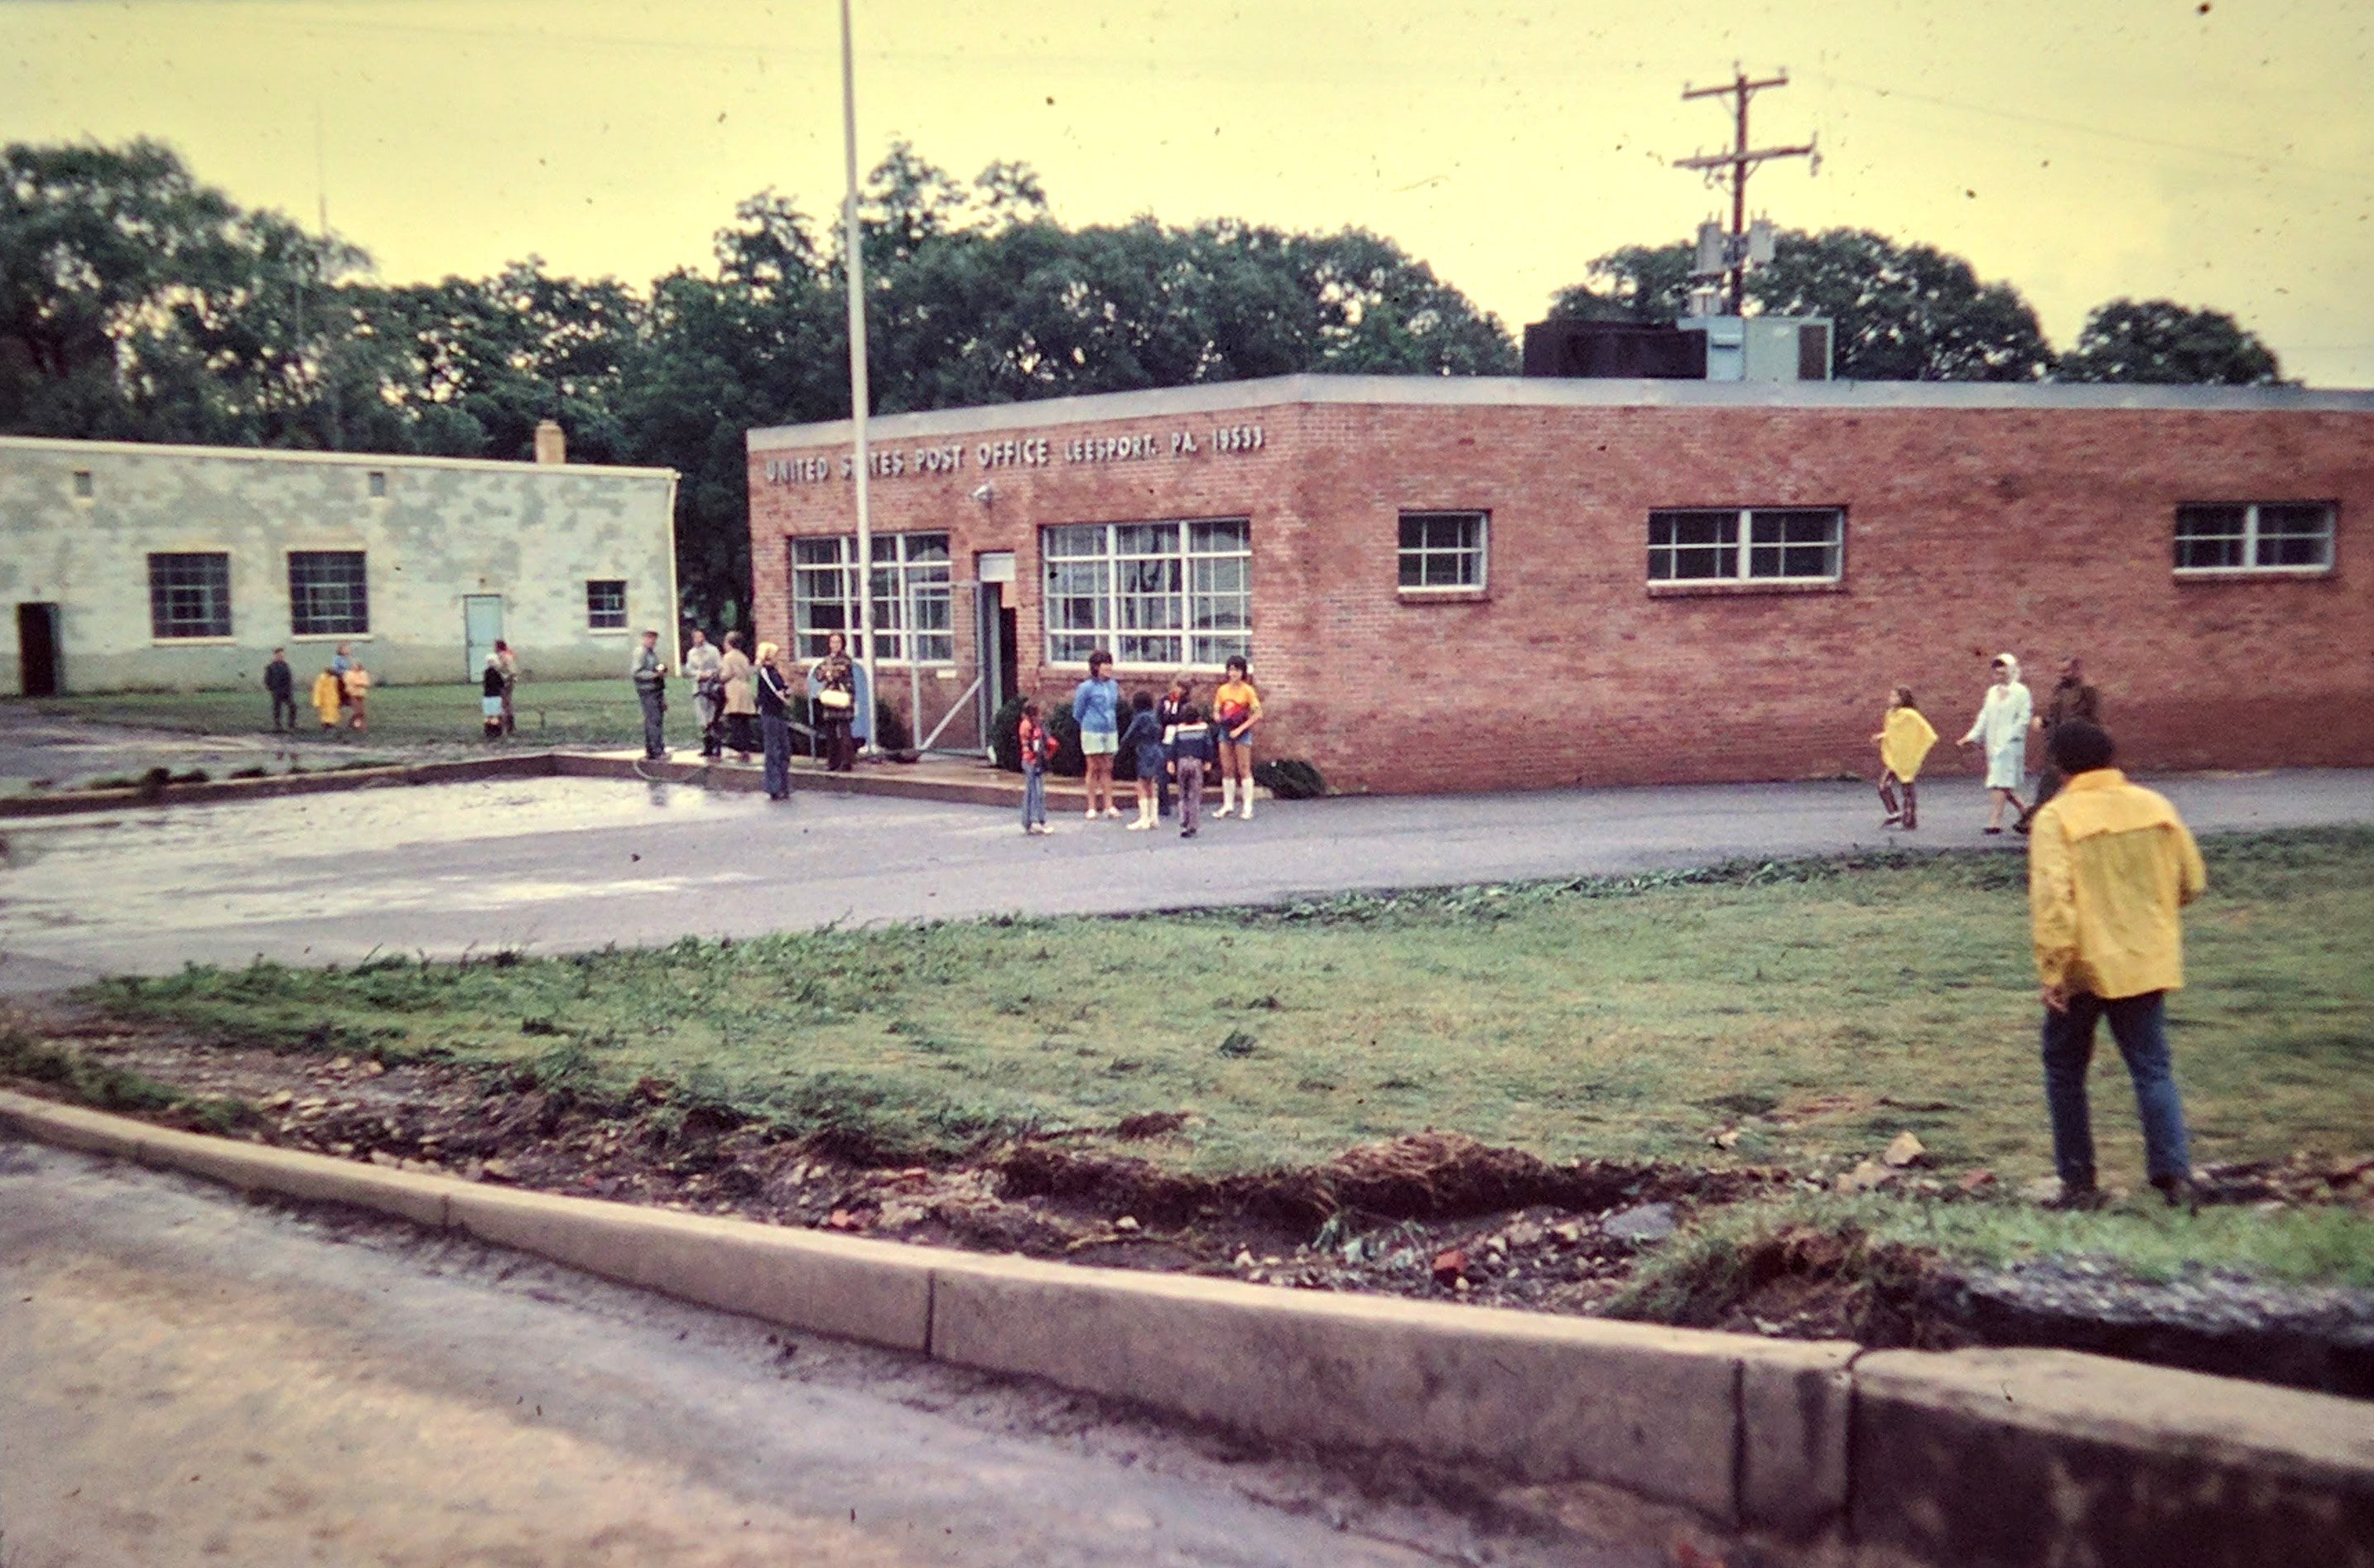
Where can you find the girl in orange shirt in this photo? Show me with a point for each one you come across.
(1236, 708)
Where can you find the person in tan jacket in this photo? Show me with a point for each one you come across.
(2109, 866)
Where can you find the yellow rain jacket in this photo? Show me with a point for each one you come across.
(2110, 863)
(328, 696)
(1904, 741)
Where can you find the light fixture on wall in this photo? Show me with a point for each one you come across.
(984, 494)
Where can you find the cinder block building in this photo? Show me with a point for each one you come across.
(1468, 584)
(134, 567)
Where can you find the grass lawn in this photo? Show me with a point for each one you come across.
(575, 713)
(1820, 1009)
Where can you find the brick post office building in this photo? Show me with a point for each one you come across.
(1487, 583)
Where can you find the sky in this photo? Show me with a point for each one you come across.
(2217, 154)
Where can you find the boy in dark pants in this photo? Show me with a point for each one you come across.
(1189, 743)
(1165, 713)
(282, 688)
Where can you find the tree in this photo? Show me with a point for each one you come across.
(1900, 312)
(2161, 341)
(1633, 282)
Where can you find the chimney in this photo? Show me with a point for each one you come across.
(551, 446)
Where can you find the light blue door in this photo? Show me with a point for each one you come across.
(482, 627)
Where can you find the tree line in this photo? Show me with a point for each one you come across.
(138, 303)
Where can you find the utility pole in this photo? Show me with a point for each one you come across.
(1741, 160)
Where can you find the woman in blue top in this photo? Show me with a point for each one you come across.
(1096, 707)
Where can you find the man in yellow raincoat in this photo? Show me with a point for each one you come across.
(2109, 864)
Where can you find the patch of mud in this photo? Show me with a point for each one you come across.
(1432, 1215)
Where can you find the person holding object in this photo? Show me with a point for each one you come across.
(2109, 866)
(834, 676)
(2002, 728)
(772, 687)
(2071, 697)
(741, 709)
(1096, 707)
(650, 677)
(704, 666)
(1904, 740)
(1236, 708)
(282, 687)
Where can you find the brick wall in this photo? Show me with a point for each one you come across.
(1969, 531)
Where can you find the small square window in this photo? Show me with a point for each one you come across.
(2243, 537)
(1441, 550)
(605, 604)
(379, 484)
(84, 487)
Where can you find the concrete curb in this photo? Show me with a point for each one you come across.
(888, 778)
(1981, 1458)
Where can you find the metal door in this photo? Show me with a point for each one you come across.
(482, 627)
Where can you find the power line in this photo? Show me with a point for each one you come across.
(1742, 161)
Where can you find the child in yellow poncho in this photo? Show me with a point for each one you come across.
(329, 698)
(1904, 740)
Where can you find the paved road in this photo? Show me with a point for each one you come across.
(561, 864)
(186, 1377)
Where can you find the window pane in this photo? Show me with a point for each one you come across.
(1231, 536)
(328, 595)
(1079, 539)
(605, 604)
(189, 595)
(2211, 538)
(2295, 535)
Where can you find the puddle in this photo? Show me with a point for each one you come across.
(184, 868)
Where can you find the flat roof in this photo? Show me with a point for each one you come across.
(363, 459)
(1538, 391)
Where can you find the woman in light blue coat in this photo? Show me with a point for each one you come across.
(2002, 728)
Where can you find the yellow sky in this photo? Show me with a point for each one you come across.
(2081, 149)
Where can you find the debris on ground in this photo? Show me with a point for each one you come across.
(1432, 1214)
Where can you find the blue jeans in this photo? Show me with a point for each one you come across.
(777, 733)
(1034, 796)
(2139, 1023)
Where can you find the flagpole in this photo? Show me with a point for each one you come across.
(858, 394)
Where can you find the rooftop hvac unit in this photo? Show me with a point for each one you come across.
(1764, 348)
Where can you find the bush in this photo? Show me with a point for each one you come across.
(1005, 735)
(1290, 778)
(890, 731)
(1068, 761)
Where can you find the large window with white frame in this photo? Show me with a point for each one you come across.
(911, 603)
(1159, 594)
(189, 595)
(1441, 550)
(2254, 537)
(1746, 543)
(329, 594)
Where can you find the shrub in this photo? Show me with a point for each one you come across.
(1005, 735)
(890, 731)
(1068, 761)
(1290, 778)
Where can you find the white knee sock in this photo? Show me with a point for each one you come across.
(1228, 797)
(1245, 807)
